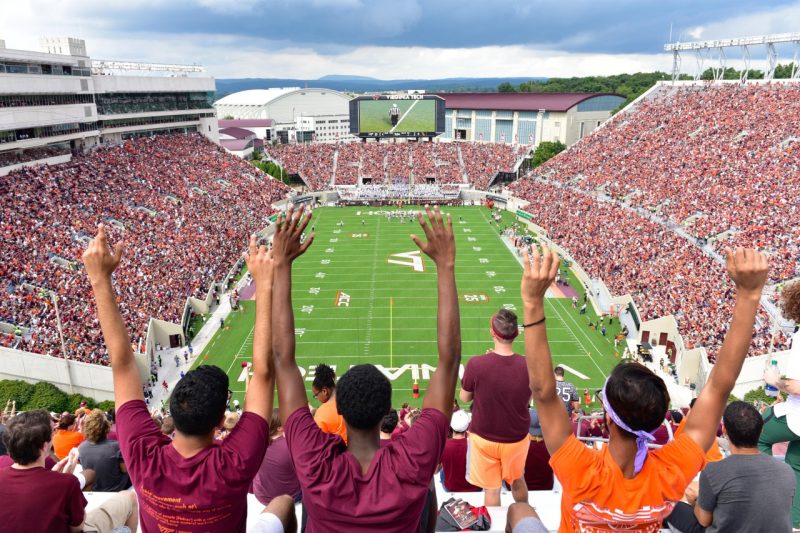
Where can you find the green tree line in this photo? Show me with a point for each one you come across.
(45, 396)
(631, 86)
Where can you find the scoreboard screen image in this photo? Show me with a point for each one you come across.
(397, 116)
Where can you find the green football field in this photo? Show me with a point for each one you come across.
(415, 116)
(363, 294)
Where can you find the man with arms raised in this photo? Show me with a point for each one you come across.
(191, 483)
(361, 486)
(625, 486)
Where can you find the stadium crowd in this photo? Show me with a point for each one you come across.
(355, 468)
(715, 158)
(173, 198)
(386, 162)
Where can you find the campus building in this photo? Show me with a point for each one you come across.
(526, 118)
(298, 115)
(58, 101)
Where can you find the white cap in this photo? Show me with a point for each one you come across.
(460, 421)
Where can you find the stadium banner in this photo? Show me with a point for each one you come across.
(397, 115)
(497, 199)
(523, 214)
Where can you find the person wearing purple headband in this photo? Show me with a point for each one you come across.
(626, 486)
(497, 385)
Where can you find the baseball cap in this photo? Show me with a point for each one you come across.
(535, 429)
(460, 421)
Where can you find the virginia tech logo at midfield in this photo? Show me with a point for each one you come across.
(411, 259)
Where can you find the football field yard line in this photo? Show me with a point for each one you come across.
(404, 115)
(238, 355)
(583, 346)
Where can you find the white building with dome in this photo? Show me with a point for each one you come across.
(299, 114)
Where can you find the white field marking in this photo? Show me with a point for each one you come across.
(414, 260)
(404, 116)
(583, 346)
(572, 370)
(239, 355)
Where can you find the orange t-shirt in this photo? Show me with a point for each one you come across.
(597, 497)
(329, 420)
(713, 455)
(64, 441)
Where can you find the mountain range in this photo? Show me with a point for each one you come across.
(362, 84)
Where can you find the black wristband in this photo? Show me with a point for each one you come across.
(534, 323)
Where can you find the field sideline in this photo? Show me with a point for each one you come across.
(356, 301)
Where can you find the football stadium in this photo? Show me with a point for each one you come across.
(505, 310)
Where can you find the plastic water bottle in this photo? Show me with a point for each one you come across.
(771, 390)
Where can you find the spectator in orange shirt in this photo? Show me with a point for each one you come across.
(67, 435)
(714, 454)
(625, 486)
(323, 388)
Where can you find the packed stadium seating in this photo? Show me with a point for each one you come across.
(722, 155)
(385, 163)
(185, 205)
(715, 158)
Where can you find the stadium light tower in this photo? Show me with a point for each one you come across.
(716, 48)
(54, 298)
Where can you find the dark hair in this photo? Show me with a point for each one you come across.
(389, 422)
(364, 396)
(198, 402)
(66, 420)
(25, 435)
(677, 416)
(691, 403)
(505, 322)
(558, 371)
(638, 396)
(743, 424)
(324, 377)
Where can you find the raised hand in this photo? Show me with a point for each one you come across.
(440, 245)
(748, 269)
(98, 259)
(286, 245)
(259, 263)
(538, 274)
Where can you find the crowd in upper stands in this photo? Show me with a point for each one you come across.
(720, 154)
(385, 163)
(177, 197)
(715, 158)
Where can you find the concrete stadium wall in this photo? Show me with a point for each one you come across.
(751, 376)
(94, 381)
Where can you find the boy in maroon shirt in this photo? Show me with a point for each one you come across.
(190, 483)
(360, 486)
(454, 458)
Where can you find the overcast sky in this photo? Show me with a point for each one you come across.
(392, 39)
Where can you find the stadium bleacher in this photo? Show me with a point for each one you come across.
(473, 163)
(683, 157)
(173, 198)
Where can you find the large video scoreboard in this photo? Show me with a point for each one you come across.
(397, 116)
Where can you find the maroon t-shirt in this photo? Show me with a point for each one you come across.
(276, 474)
(389, 497)
(501, 394)
(206, 493)
(454, 464)
(40, 500)
(538, 473)
(6, 461)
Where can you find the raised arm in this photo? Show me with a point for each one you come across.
(440, 246)
(286, 247)
(260, 391)
(100, 263)
(538, 274)
(748, 270)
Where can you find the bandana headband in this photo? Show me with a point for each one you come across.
(642, 437)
